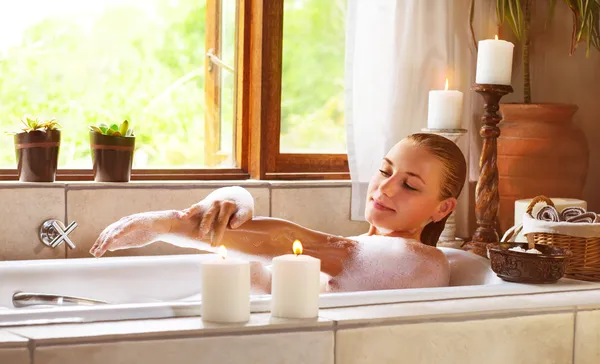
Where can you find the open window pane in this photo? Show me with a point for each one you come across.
(312, 98)
(228, 77)
(219, 148)
(102, 61)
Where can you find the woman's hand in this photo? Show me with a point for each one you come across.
(134, 231)
(225, 207)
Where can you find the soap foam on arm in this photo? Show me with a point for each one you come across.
(392, 263)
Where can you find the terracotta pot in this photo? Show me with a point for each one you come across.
(112, 157)
(37, 155)
(540, 152)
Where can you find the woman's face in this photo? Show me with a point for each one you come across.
(403, 196)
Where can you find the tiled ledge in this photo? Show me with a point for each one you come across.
(561, 327)
(170, 328)
(447, 310)
(10, 340)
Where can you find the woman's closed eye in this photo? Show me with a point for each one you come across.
(404, 184)
(407, 186)
(384, 173)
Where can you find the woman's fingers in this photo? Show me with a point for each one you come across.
(112, 232)
(240, 217)
(96, 245)
(101, 236)
(114, 236)
(105, 233)
(195, 209)
(227, 209)
(208, 219)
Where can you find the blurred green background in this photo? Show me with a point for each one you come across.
(143, 60)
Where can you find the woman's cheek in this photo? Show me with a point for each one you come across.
(373, 185)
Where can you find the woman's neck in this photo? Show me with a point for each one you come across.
(406, 234)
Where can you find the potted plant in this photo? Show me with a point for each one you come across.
(112, 152)
(36, 149)
(536, 137)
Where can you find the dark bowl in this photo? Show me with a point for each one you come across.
(512, 266)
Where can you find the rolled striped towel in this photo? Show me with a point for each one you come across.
(588, 218)
(570, 212)
(548, 213)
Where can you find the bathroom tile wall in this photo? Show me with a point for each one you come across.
(291, 347)
(515, 340)
(23, 208)
(587, 337)
(322, 206)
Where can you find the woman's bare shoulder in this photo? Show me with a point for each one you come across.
(391, 262)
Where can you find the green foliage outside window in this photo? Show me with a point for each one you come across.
(146, 64)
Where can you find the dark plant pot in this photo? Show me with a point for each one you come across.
(112, 157)
(37, 155)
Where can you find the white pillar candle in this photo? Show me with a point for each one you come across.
(225, 289)
(559, 203)
(295, 285)
(445, 109)
(494, 62)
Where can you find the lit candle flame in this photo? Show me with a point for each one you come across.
(446, 84)
(223, 251)
(297, 247)
(496, 36)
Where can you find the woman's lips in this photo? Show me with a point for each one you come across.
(381, 207)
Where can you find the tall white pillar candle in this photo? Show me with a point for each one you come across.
(445, 109)
(295, 285)
(494, 62)
(559, 203)
(225, 289)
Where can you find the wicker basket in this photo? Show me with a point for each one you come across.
(585, 261)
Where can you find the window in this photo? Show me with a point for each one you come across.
(200, 81)
(270, 161)
(312, 87)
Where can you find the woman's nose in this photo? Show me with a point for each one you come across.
(389, 187)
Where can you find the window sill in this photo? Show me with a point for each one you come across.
(176, 184)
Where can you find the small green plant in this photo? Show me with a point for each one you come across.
(34, 123)
(113, 129)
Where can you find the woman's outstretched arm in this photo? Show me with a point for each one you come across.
(262, 237)
(375, 263)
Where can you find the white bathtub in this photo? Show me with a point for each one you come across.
(169, 286)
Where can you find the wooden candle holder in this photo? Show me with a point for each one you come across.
(487, 197)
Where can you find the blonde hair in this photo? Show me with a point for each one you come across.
(454, 173)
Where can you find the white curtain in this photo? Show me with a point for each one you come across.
(396, 51)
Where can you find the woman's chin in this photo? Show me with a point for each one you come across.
(377, 218)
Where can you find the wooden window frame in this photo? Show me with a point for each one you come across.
(257, 114)
(264, 59)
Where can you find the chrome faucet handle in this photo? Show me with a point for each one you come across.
(53, 233)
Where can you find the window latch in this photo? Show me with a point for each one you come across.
(214, 60)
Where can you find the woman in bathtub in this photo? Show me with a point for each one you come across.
(408, 202)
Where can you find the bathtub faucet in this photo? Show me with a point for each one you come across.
(53, 233)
